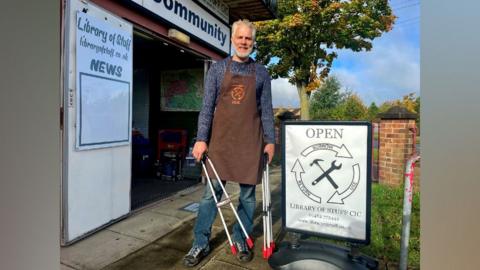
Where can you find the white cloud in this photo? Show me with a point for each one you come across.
(390, 71)
(284, 94)
(395, 66)
(347, 78)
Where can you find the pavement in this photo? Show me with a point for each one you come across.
(159, 235)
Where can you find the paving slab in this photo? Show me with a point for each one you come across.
(99, 250)
(220, 265)
(224, 258)
(194, 193)
(151, 257)
(172, 207)
(148, 226)
(182, 237)
(139, 242)
(168, 252)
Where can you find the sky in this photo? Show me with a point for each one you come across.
(388, 72)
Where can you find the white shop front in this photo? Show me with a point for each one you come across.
(132, 79)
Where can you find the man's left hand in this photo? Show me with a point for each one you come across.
(270, 151)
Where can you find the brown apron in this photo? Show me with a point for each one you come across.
(236, 144)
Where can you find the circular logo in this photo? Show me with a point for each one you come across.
(238, 93)
(326, 173)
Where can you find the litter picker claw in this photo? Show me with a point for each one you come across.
(226, 201)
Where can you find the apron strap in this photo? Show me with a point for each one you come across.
(251, 67)
(228, 65)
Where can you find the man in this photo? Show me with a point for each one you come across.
(237, 109)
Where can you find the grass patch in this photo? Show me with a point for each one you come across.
(386, 227)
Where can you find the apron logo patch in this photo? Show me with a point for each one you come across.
(238, 93)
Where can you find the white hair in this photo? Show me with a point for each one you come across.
(246, 23)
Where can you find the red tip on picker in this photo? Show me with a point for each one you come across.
(265, 255)
(250, 243)
(234, 249)
(272, 245)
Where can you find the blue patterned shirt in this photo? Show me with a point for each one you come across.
(213, 84)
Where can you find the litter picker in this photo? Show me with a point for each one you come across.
(268, 243)
(226, 201)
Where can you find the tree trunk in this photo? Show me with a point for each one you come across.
(304, 102)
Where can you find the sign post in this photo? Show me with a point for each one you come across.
(326, 192)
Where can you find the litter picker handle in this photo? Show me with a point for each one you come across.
(204, 157)
(265, 159)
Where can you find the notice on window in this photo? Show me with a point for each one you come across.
(326, 179)
(104, 79)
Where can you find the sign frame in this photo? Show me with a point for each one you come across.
(365, 241)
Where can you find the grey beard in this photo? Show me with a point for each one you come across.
(244, 55)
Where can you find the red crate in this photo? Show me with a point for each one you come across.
(172, 140)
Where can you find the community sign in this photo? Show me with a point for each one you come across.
(326, 179)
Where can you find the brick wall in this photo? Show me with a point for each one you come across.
(395, 147)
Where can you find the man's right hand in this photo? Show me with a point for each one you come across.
(198, 149)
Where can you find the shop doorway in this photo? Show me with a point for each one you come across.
(167, 94)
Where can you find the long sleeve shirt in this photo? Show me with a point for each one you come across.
(213, 84)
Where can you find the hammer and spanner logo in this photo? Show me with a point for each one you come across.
(326, 174)
(332, 178)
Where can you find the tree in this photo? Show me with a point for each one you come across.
(324, 100)
(409, 102)
(372, 111)
(306, 34)
(328, 103)
(385, 106)
(417, 104)
(352, 108)
(417, 109)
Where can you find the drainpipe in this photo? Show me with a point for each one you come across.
(407, 202)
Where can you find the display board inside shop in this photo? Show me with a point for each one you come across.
(326, 179)
(181, 90)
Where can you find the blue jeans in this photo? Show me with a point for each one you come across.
(208, 211)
